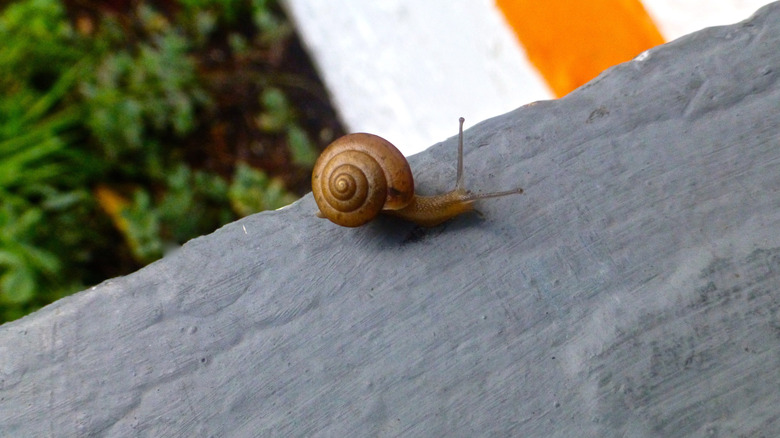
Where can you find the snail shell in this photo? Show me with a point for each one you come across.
(359, 175)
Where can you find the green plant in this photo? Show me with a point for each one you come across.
(123, 139)
(22, 263)
(138, 96)
(279, 117)
(38, 128)
(252, 191)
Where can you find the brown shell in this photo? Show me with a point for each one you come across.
(359, 175)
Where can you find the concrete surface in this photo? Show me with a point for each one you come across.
(634, 290)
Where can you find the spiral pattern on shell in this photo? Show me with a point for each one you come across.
(359, 175)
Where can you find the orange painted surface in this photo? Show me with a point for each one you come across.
(571, 41)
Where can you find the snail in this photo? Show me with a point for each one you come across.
(360, 175)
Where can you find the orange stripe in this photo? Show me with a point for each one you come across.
(571, 41)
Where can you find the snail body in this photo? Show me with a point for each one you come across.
(361, 175)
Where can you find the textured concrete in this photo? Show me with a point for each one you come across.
(634, 290)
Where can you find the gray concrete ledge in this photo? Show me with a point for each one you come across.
(634, 290)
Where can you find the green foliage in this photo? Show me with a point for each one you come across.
(279, 116)
(37, 42)
(194, 204)
(22, 261)
(271, 27)
(41, 63)
(252, 190)
(151, 90)
(190, 207)
(109, 113)
(206, 14)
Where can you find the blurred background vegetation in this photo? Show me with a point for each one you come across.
(128, 127)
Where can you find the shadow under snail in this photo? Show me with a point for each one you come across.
(360, 175)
